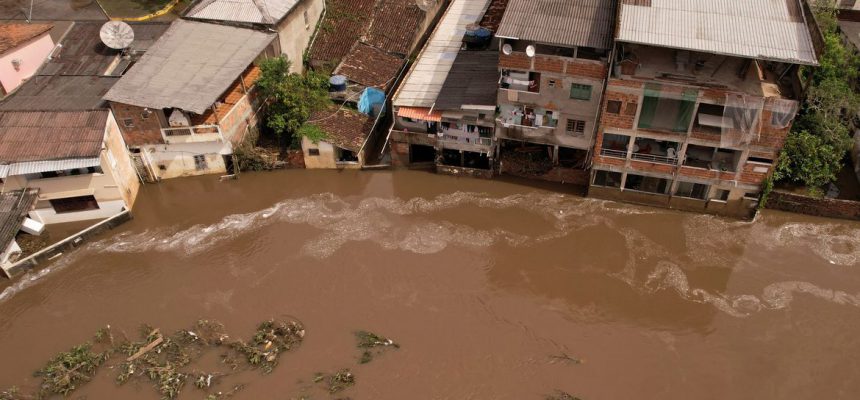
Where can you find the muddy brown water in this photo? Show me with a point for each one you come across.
(481, 282)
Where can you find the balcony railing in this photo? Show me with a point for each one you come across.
(613, 153)
(654, 158)
(192, 134)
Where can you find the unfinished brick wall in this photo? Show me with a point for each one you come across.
(137, 128)
(585, 69)
(549, 64)
(518, 61)
(626, 116)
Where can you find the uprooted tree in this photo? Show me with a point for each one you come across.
(820, 137)
(292, 98)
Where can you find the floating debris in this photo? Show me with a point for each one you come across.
(13, 393)
(67, 370)
(565, 358)
(372, 345)
(559, 395)
(269, 341)
(337, 382)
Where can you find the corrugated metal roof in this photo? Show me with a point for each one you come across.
(14, 206)
(427, 75)
(473, 80)
(761, 29)
(586, 23)
(35, 167)
(60, 93)
(250, 11)
(190, 66)
(42, 136)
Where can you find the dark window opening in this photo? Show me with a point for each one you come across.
(451, 157)
(613, 107)
(692, 190)
(313, 152)
(590, 53)
(721, 195)
(347, 156)
(614, 145)
(760, 160)
(572, 158)
(575, 127)
(709, 118)
(128, 123)
(646, 184)
(74, 204)
(607, 179)
(421, 154)
(521, 81)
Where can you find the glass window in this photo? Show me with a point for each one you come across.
(607, 179)
(692, 190)
(580, 92)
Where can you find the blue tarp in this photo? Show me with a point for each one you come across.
(371, 99)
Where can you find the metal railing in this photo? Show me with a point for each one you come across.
(654, 158)
(192, 134)
(613, 153)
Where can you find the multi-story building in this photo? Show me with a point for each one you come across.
(553, 66)
(699, 101)
(445, 108)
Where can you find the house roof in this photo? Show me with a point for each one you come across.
(344, 23)
(40, 136)
(421, 86)
(473, 80)
(14, 207)
(248, 11)
(83, 53)
(851, 30)
(394, 26)
(60, 93)
(370, 66)
(190, 66)
(586, 23)
(345, 128)
(493, 16)
(52, 10)
(14, 35)
(760, 29)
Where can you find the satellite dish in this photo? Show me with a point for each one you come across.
(116, 34)
(530, 51)
(507, 49)
(425, 5)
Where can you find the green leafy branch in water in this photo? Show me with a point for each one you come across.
(372, 344)
(339, 381)
(67, 370)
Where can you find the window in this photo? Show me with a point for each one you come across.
(128, 122)
(200, 162)
(50, 174)
(551, 83)
(665, 113)
(646, 184)
(313, 152)
(613, 107)
(575, 127)
(607, 179)
(692, 190)
(74, 204)
(721, 195)
(580, 92)
(760, 160)
(751, 195)
(630, 109)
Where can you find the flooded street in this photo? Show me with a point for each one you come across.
(482, 283)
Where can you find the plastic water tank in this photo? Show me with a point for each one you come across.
(337, 83)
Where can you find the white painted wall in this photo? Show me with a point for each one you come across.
(106, 209)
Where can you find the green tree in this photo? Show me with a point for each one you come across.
(820, 136)
(291, 97)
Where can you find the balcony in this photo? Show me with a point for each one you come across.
(192, 134)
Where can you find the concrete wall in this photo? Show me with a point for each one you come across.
(738, 208)
(327, 158)
(832, 208)
(121, 166)
(177, 160)
(295, 32)
(31, 55)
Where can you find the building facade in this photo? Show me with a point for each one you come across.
(697, 124)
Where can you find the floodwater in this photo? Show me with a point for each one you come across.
(481, 282)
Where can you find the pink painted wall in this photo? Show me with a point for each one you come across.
(32, 55)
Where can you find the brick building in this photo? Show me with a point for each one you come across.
(699, 102)
(553, 65)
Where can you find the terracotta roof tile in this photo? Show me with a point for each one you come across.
(344, 23)
(39, 136)
(394, 26)
(369, 66)
(14, 35)
(346, 128)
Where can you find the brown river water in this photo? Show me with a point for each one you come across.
(481, 282)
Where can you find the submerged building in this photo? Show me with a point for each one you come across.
(699, 102)
(553, 65)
